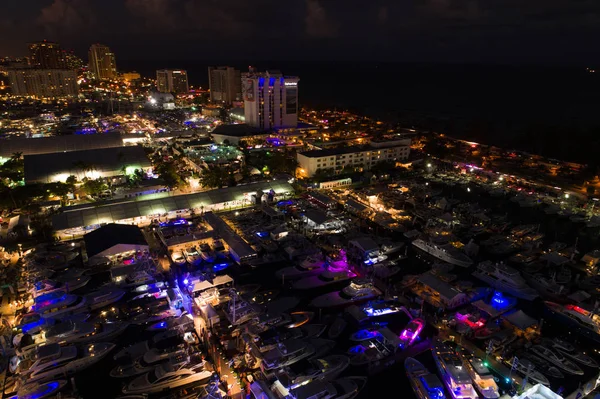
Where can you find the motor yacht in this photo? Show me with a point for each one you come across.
(149, 287)
(178, 258)
(103, 297)
(343, 388)
(364, 334)
(322, 346)
(543, 366)
(358, 290)
(269, 339)
(411, 332)
(322, 369)
(374, 349)
(557, 359)
(527, 368)
(61, 284)
(579, 357)
(425, 384)
(547, 287)
(175, 357)
(324, 279)
(165, 377)
(286, 353)
(72, 332)
(37, 390)
(192, 256)
(308, 267)
(207, 253)
(53, 360)
(446, 253)
(33, 323)
(505, 279)
(162, 340)
(58, 304)
(453, 373)
(587, 323)
(483, 380)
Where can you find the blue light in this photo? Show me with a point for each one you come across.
(507, 380)
(49, 387)
(370, 261)
(262, 234)
(186, 281)
(499, 299)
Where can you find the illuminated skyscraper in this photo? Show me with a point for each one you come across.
(172, 81)
(43, 83)
(270, 99)
(102, 62)
(47, 55)
(225, 84)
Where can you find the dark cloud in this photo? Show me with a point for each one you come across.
(402, 30)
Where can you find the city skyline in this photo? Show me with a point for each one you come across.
(554, 32)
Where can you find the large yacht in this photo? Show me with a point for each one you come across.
(425, 384)
(557, 359)
(588, 323)
(505, 279)
(80, 332)
(40, 391)
(445, 252)
(358, 290)
(482, 377)
(527, 368)
(175, 357)
(53, 360)
(326, 278)
(310, 266)
(99, 299)
(323, 369)
(57, 304)
(166, 377)
(343, 388)
(453, 373)
(286, 353)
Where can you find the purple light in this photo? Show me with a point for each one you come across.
(412, 331)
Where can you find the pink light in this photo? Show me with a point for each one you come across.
(408, 334)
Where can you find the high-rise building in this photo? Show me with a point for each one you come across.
(172, 81)
(72, 61)
(47, 55)
(102, 62)
(43, 83)
(225, 84)
(270, 99)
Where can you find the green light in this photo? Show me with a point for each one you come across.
(485, 364)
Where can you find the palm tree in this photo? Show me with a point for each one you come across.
(16, 156)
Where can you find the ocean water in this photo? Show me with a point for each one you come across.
(546, 110)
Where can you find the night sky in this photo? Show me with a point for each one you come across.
(486, 31)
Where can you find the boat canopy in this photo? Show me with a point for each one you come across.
(521, 320)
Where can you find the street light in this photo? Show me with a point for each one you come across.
(429, 165)
(567, 196)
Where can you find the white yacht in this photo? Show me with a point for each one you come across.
(53, 360)
(175, 357)
(453, 373)
(505, 279)
(326, 368)
(326, 278)
(445, 252)
(66, 285)
(358, 290)
(308, 267)
(178, 258)
(57, 305)
(425, 384)
(482, 377)
(72, 332)
(588, 323)
(99, 299)
(166, 377)
(40, 390)
(193, 256)
(161, 340)
(343, 388)
(557, 359)
(286, 353)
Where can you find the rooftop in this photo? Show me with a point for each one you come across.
(110, 235)
(43, 166)
(347, 150)
(117, 210)
(443, 289)
(241, 248)
(59, 144)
